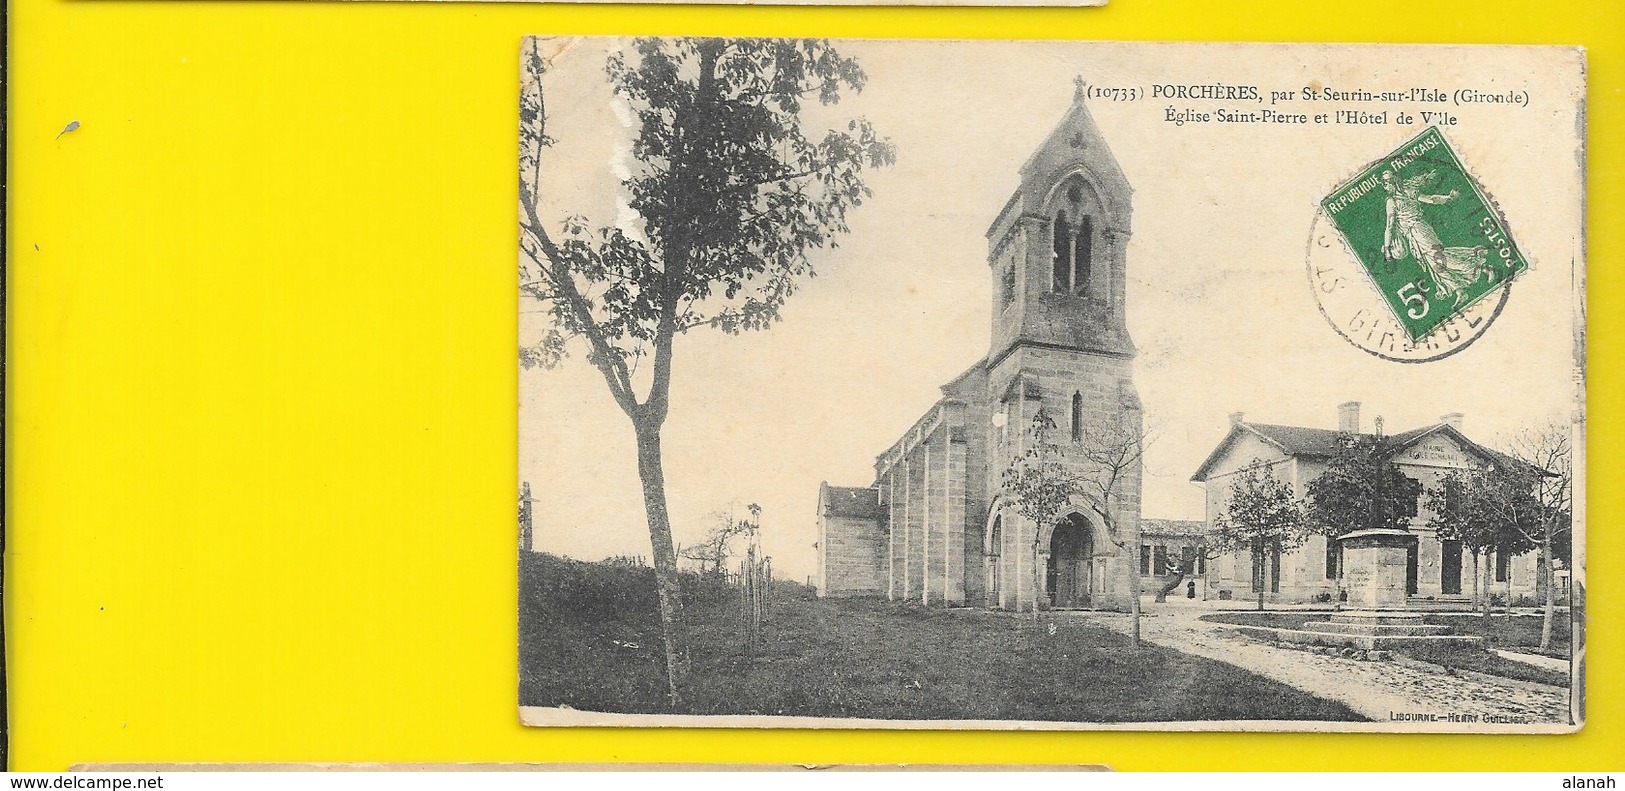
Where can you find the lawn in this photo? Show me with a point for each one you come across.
(1520, 633)
(589, 639)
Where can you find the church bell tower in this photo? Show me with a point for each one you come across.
(1060, 345)
(1056, 251)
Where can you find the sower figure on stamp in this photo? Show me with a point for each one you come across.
(1451, 269)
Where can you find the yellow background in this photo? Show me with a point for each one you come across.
(261, 451)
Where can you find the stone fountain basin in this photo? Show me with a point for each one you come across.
(1363, 638)
(1380, 630)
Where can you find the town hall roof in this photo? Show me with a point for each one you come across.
(1322, 443)
(1172, 527)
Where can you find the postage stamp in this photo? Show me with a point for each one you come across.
(1425, 232)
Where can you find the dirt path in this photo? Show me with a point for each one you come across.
(1383, 691)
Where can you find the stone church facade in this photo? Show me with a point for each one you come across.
(932, 527)
(1436, 571)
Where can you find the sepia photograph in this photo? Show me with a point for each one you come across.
(1051, 385)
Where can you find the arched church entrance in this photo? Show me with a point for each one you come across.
(1070, 549)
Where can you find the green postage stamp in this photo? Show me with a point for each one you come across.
(1425, 233)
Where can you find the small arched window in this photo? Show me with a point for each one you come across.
(996, 536)
(1007, 284)
(1077, 416)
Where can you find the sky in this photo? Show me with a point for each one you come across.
(1219, 299)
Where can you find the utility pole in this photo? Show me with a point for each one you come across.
(526, 529)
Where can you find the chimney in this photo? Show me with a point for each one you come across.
(1452, 420)
(1376, 425)
(1348, 417)
(1235, 418)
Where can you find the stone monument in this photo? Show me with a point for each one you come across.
(1374, 564)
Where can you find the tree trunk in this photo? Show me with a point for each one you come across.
(1551, 597)
(1133, 595)
(1129, 548)
(1489, 584)
(1475, 579)
(667, 584)
(1337, 594)
(1261, 572)
(1178, 579)
(1509, 595)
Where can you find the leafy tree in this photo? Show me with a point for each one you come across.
(1093, 473)
(731, 193)
(1263, 518)
(1458, 517)
(1360, 490)
(1494, 512)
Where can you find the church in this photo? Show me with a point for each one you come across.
(932, 526)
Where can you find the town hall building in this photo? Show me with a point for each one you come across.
(1435, 570)
(932, 526)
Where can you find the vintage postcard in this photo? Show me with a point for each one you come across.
(1051, 385)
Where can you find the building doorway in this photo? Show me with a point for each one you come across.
(1450, 567)
(1412, 554)
(1068, 571)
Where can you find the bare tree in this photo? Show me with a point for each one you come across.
(1494, 511)
(1548, 452)
(1093, 472)
(731, 194)
(718, 546)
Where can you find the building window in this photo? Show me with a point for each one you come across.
(1503, 566)
(1073, 255)
(1201, 559)
(1159, 559)
(995, 538)
(1077, 417)
(1007, 284)
(1145, 558)
(1331, 558)
(1187, 560)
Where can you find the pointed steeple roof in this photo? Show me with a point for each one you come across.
(1075, 141)
(1075, 145)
